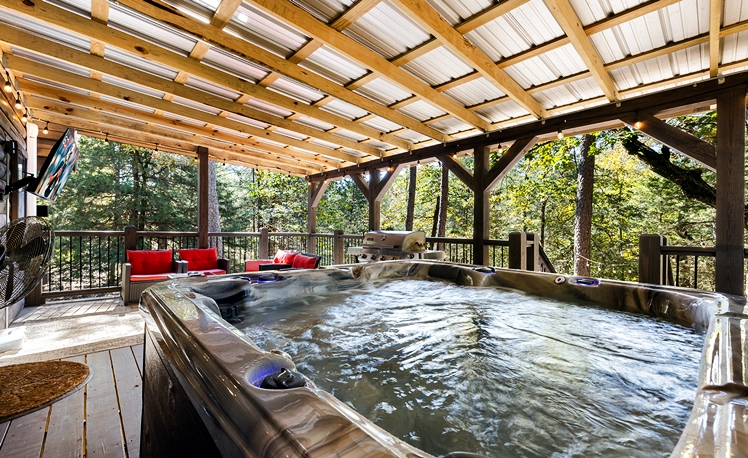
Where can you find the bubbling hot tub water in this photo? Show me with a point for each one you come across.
(492, 371)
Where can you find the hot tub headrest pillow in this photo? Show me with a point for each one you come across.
(145, 262)
(199, 258)
(284, 257)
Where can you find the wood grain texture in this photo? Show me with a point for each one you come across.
(507, 161)
(460, 171)
(25, 435)
(481, 205)
(65, 430)
(103, 427)
(129, 394)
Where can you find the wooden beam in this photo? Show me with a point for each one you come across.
(146, 134)
(306, 50)
(100, 11)
(317, 190)
(224, 13)
(80, 25)
(386, 182)
(730, 273)
(353, 14)
(715, 23)
(366, 57)
(159, 104)
(232, 43)
(567, 18)
(481, 205)
(363, 186)
(489, 14)
(428, 18)
(362, 81)
(199, 51)
(177, 89)
(507, 161)
(695, 148)
(459, 170)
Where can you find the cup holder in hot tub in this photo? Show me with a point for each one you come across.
(275, 373)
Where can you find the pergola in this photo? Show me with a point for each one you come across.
(334, 88)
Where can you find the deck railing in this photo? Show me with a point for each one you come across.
(90, 262)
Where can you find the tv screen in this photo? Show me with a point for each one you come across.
(56, 168)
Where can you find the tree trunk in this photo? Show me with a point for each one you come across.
(583, 218)
(411, 200)
(214, 216)
(435, 220)
(443, 204)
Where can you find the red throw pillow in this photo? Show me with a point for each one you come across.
(284, 257)
(146, 262)
(304, 262)
(200, 258)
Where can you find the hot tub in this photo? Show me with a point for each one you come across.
(202, 378)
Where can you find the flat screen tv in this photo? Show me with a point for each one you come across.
(57, 167)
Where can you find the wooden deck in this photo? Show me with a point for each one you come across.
(100, 420)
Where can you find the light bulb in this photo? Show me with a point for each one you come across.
(8, 87)
(638, 125)
(46, 129)
(18, 104)
(24, 118)
(560, 135)
(106, 138)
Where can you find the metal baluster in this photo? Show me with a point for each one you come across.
(677, 270)
(696, 272)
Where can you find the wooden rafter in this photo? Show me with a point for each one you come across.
(41, 95)
(366, 57)
(458, 169)
(224, 13)
(564, 14)
(715, 23)
(135, 45)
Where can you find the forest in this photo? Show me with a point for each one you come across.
(637, 186)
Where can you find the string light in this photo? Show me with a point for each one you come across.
(24, 118)
(106, 138)
(156, 150)
(18, 104)
(638, 125)
(46, 128)
(560, 135)
(8, 88)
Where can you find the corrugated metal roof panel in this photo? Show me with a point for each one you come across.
(351, 135)
(456, 11)
(314, 123)
(234, 65)
(451, 125)
(421, 110)
(246, 120)
(291, 134)
(139, 63)
(328, 63)
(569, 93)
(148, 29)
(381, 124)
(438, 66)
(344, 109)
(324, 10)
(547, 67)
(412, 137)
(529, 25)
(383, 91)
(265, 31)
(474, 92)
(212, 88)
(295, 90)
(661, 68)
(502, 111)
(734, 11)
(379, 145)
(352, 152)
(82, 7)
(45, 31)
(591, 11)
(51, 61)
(230, 131)
(202, 11)
(324, 144)
(268, 108)
(129, 85)
(387, 30)
(735, 47)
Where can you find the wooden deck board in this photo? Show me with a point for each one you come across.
(3, 431)
(129, 393)
(103, 426)
(137, 350)
(65, 429)
(25, 435)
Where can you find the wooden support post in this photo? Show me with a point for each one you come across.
(131, 238)
(338, 247)
(314, 195)
(517, 251)
(375, 215)
(481, 207)
(650, 259)
(202, 197)
(263, 243)
(729, 276)
(533, 252)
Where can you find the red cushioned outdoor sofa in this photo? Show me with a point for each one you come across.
(204, 260)
(284, 259)
(145, 268)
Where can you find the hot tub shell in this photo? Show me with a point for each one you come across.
(201, 376)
